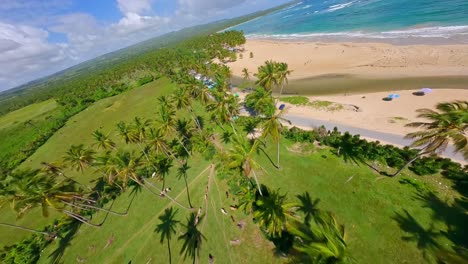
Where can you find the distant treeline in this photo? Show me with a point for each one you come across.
(75, 95)
(104, 74)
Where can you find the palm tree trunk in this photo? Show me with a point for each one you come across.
(278, 163)
(26, 229)
(146, 156)
(85, 206)
(258, 184)
(279, 96)
(187, 189)
(80, 218)
(170, 198)
(233, 129)
(409, 162)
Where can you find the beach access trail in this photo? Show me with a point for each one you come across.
(393, 139)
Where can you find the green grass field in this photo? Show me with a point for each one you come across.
(386, 221)
(367, 204)
(26, 113)
(106, 113)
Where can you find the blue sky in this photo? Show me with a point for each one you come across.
(40, 37)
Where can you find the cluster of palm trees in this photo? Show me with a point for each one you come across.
(152, 148)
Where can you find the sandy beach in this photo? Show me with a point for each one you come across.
(364, 109)
(374, 60)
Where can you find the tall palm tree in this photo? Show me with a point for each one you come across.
(448, 124)
(261, 102)
(282, 75)
(35, 189)
(182, 173)
(78, 157)
(167, 228)
(271, 211)
(267, 75)
(103, 141)
(163, 166)
(321, 242)
(241, 157)
(272, 126)
(245, 74)
(192, 238)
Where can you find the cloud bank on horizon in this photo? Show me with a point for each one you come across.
(40, 37)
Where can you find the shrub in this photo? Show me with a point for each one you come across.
(425, 166)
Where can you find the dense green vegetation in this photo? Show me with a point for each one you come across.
(172, 167)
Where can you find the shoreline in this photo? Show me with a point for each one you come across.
(342, 38)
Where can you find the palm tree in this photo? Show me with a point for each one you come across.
(192, 238)
(282, 75)
(271, 211)
(267, 75)
(79, 157)
(127, 133)
(103, 141)
(272, 126)
(241, 157)
(321, 242)
(245, 74)
(448, 124)
(163, 165)
(33, 189)
(167, 228)
(182, 173)
(261, 101)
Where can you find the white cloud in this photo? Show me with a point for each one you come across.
(134, 6)
(25, 54)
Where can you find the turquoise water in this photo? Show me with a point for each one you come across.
(392, 20)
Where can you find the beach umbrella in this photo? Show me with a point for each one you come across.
(426, 90)
(393, 96)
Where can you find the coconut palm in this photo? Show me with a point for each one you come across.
(34, 189)
(182, 173)
(163, 166)
(261, 102)
(245, 74)
(447, 125)
(103, 141)
(321, 242)
(192, 238)
(282, 75)
(271, 211)
(55, 170)
(241, 157)
(158, 143)
(128, 134)
(78, 157)
(272, 126)
(267, 75)
(167, 228)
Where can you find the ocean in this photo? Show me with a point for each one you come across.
(394, 21)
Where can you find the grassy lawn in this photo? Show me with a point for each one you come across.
(104, 114)
(372, 208)
(386, 221)
(26, 113)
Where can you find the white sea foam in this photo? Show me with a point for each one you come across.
(426, 32)
(340, 6)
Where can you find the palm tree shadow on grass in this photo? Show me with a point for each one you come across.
(424, 237)
(453, 215)
(58, 253)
